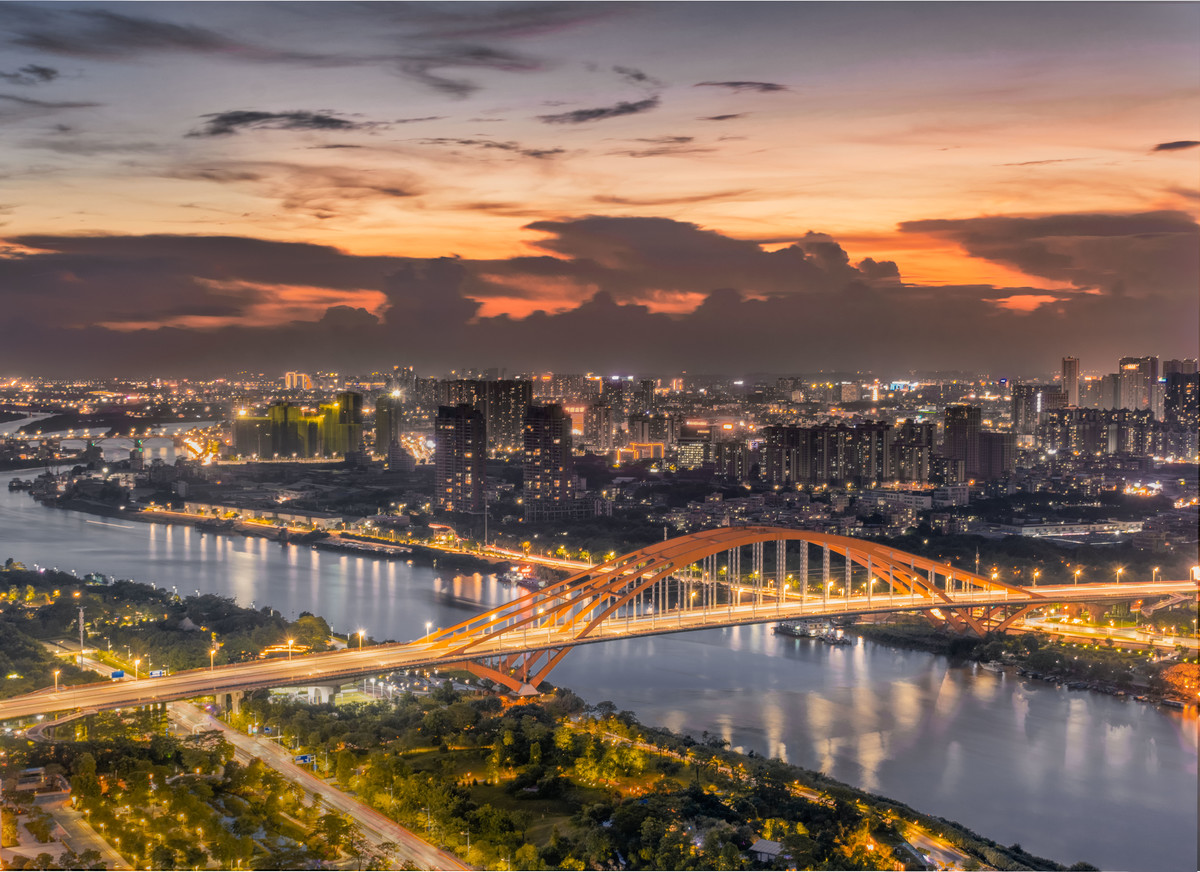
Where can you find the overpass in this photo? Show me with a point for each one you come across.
(687, 583)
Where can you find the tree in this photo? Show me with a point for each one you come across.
(526, 857)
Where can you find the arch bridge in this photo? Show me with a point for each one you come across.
(740, 575)
(714, 578)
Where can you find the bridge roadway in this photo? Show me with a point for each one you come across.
(334, 668)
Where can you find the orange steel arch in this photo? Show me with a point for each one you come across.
(573, 609)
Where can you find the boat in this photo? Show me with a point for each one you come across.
(797, 629)
(993, 666)
(18, 485)
(1173, 703)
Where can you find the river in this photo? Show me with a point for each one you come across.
(1071, 775)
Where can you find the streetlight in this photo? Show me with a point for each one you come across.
(136, 664)
(360, 638)
(1077, 571)
(1036, 573)
(212, 659)
(428, 629)
(290, 643)
(1120, 569)
(56, 671)
(1154, 575)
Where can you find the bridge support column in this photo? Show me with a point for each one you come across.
(322, 694)
(231, 701)
(780, 573)
(803, 574)
(825, 574)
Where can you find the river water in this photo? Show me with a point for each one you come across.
(1071, 775)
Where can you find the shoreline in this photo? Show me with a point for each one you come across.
(957, 649)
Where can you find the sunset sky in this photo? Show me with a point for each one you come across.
(643, 186)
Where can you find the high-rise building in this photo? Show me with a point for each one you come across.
(460, 459)
(960, 437)
(1138, 382)
(342, 425)
(645, 395)
(1179, 367)
(912, 448)
(1029, 402)
(549, 465)
(389, 412)
(997, 455)
(1070, 380)
(503, 404)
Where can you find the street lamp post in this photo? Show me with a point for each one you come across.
(1077, 571)
(212, 659)
(136, 664)
(361, 632)
(1154, 575)
(428, 629)
(56, 671)
(1120, 569)
(290, 643)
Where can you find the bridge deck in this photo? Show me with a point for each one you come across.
(336, 667)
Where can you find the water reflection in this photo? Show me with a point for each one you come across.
(1070, 775)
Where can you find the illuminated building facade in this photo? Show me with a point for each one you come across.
(460, 459)
(503, 404)
(1030, 402)
(549, 465)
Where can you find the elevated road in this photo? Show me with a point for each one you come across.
(531, 634)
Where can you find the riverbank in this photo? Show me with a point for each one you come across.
(425, 555)
(1132, 674)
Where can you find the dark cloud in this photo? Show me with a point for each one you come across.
(638, 78)
(1176, 145)
(31, 74)
(760, 87)
(423, 66)
(1143, 254)
(796, 308)
(723, 117)
(106, 35)
(480, 21)
(669, 201)
(14, 108)
(580, 116)
(229, 123)
(514, 147)
(317, 191)
(86, 147)
(416, 120)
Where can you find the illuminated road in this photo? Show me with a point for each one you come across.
(378, 828)
(336, 667)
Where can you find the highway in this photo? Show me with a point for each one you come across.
(378, 828)
(336, 667)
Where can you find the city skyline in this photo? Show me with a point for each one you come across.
(586, 186)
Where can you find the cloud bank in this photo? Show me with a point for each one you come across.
(606, 293)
